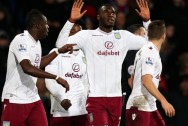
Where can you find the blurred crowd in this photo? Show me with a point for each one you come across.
(174, 53)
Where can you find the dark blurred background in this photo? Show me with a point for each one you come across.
(174, 54)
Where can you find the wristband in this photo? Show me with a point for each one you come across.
(57, 77)
(57, 52)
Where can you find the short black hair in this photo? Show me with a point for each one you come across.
(134, 28)
(33, 17)
(156, 29)
(106, 4)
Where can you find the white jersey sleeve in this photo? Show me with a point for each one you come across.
(20, 49)
(134, 42)
(53, 87)
(146, 24)
(64, 34)
(148, 60)
(79, 38)
(86, 84)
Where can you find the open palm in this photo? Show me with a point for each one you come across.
(144, 12)
(76, 10)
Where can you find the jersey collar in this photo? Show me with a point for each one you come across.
(104, 32)
(154, 46)
(27, 33)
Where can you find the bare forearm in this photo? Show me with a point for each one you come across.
(34, 71)
(149, 85)
(40, 73)
(130, 82)
(47, 59)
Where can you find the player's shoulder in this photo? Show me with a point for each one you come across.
(84, 32)
(23, 35)
(149, 49)
(122, 31)
(20, 37)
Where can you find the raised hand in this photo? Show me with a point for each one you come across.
(143, 11)
(66, 104)
(76, 11)
(67, 48)
(64, 83)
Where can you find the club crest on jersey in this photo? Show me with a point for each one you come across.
(149, 60)
(22, 47)
(84, 60)
(6, 123)
(117, 35)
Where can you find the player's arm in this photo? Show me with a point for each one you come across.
(130, 81)
(23, 58)
(80, 39)
(149, 85)
(148, 66)
(75, 15)
(55, 89)
(144, 13)
(86, 84)
(64, 34)
(45, 60)
(131, 75)
(29, 69)
(136, 42)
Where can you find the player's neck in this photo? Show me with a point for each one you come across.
(34, 35)
(105, 29)
(157, 43)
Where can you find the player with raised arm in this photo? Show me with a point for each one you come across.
(141, 106)
(105, 50)
(68, 109)
(21, 103)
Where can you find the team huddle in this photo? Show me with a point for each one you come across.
(83, 74)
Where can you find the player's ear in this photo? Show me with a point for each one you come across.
(98, 17)
(36, 26)
(164, 36)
